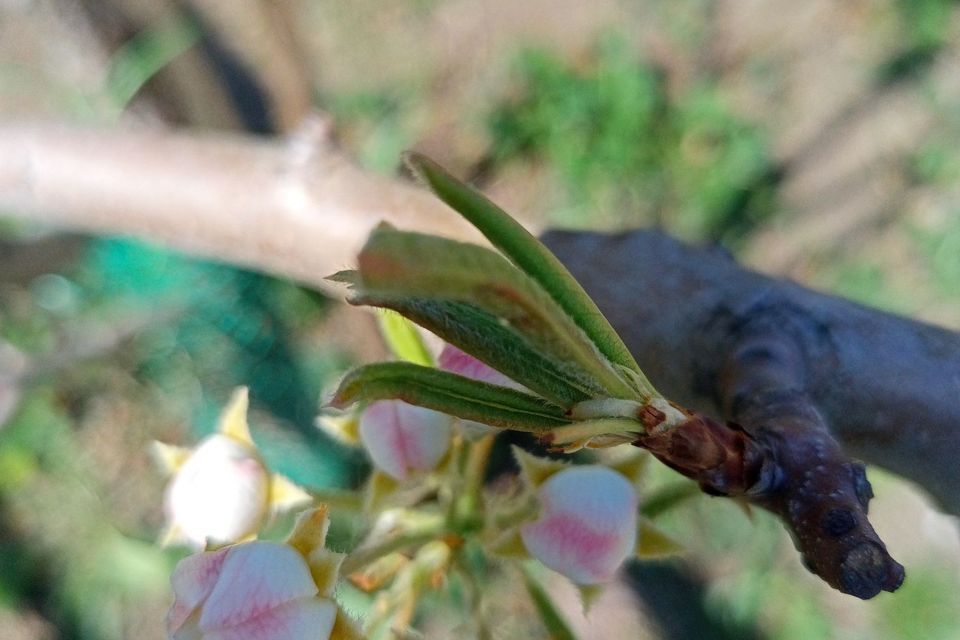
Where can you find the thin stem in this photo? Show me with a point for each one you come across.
(428, 528)
(470, 500)
(523, 511)
(338, 499)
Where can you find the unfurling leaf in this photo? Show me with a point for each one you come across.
(501, 346)
(528, 253)
(401, 265)
(403, 338)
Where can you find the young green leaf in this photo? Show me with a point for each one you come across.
(402, 338)
(483, 336)
(448, 393)
(397, 265)
(528, 253)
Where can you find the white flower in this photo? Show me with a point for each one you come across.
(587, 525)
(403, 439)
(219, 494)
(221, 491)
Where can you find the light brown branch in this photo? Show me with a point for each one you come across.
(293, 207)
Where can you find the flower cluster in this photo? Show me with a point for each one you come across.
(559, 371)
(425, 500)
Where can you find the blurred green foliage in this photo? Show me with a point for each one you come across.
(941, 246)
(226, 327)
(925, 607)
(140, 58)
(627, 149)
(199, 329)
(380, 124)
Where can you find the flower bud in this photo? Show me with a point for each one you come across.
(262, 590)
(587, 525)
(402, 439)
(251, 591)
(220, 494)
(456, 361)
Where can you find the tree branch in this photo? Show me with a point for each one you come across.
(884, 385)
(294, 207)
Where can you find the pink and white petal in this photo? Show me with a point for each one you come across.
(192, 581)
(454, 360)
(402, 438)
(587, 525)
(256, 577)
(306, 619)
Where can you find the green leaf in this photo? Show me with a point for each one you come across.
(554, 623)
(483, 336)
(668, 497)
(448, 393)
(402, 338)
(395, 264)
(528, 253)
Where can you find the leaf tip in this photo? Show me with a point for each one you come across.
(415, 162)
(347, 276)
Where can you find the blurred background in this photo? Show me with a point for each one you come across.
(815, 140)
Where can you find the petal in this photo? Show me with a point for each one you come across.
(587, 524)
(402, 438)
(456, 361)
(256, 577)
(306, 619)
(220, 493)
(192, 581)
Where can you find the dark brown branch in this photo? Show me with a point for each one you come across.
(790, 370)
(886, 386)
(821, 495)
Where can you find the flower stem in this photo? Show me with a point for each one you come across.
(415, 534)
(466, 514)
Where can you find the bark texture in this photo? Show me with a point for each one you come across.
(887, 387)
